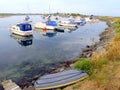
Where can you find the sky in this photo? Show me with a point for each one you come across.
(88, 7)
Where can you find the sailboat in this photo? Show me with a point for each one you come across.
(48, 24)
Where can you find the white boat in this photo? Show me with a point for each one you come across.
(46, 25)
(23, 29)
(67, 24)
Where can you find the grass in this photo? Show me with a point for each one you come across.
(113, 51)
(85, 65)
(104, 68)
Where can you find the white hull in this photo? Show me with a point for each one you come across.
(44, 31)
(44, 26)
(67, 25)
(16, 30)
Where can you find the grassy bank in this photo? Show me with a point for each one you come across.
(104, 65)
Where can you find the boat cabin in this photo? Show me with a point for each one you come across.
(25, 26)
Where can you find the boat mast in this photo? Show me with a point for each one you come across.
(49, 8)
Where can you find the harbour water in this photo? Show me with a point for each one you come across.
(20, 56)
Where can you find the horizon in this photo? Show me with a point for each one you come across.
(85, 7)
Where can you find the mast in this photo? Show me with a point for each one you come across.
(49, 8)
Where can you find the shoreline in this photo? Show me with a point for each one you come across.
(87, 52)
(105, 36)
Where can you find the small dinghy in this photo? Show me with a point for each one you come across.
(59, 79)
(23, 29)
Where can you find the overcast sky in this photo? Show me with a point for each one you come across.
(95, 7)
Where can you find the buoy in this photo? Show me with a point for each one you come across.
(44, 29)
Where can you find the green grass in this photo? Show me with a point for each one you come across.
(85, 65)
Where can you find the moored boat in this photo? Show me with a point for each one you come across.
(23, 29)
(46, 25)
(67, 24)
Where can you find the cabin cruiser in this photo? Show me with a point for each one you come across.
(80, 21)
(23, 41)
(67, 24)
(52, 25)
(23, 29)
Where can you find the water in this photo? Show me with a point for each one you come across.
(19, 56)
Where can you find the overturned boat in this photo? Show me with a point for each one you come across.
(23, 29)
(59, 79)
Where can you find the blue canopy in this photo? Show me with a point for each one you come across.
(72, 21)
(51, 23)
(27, 18)
(25, 27)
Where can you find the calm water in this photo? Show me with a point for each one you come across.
(20, 55)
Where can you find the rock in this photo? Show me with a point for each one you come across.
(88, 55)
(10, 85)
(36, 77)
(29, 88)
(87, 49)
(87, 46)
(1, 87)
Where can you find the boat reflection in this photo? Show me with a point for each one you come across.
(23, 41)
(46, 32)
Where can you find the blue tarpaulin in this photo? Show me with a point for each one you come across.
(25, 27)
(51, 23)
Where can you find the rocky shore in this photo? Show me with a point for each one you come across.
(104, 40)
(105, 37)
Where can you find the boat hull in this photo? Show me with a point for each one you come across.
(44, 26)
(16, 30)
(59, 79)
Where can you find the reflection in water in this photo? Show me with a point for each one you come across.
(69, 29)
(48, 33)
(19, 62)
(23, 41)
(66, 29)
(52, 33)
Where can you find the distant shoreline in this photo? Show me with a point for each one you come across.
(3, 16)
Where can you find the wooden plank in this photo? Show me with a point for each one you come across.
(9, 85)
